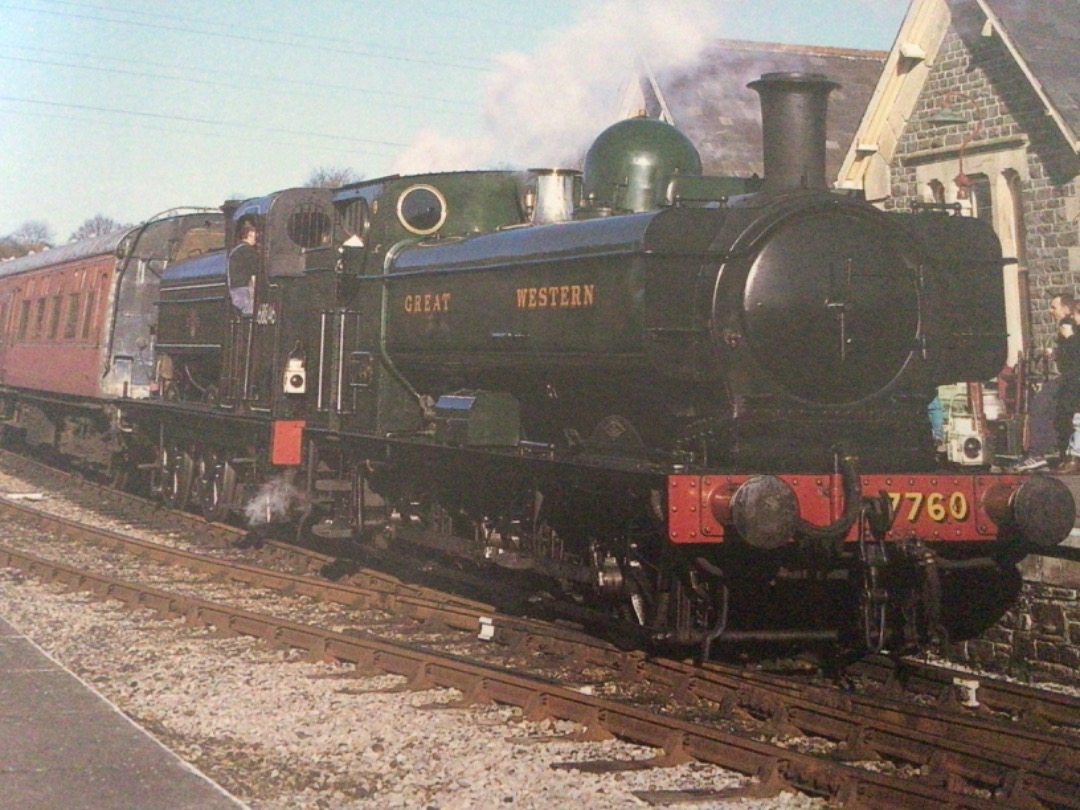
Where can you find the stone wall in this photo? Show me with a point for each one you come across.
(1037, 641)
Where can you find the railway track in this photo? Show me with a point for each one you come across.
(752, 723)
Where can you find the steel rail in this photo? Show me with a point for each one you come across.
(961, 748)
(679, 740)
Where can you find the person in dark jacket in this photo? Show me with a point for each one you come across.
(243, 268)
(1067, 401)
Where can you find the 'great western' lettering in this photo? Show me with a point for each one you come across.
(565, 296)
(422, 303)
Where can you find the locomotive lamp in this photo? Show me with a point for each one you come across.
(947, 116)
(295, 378)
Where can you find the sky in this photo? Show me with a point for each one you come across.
(126, 108)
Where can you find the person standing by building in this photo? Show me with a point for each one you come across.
(1067, 401)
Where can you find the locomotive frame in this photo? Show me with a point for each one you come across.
(693, 406)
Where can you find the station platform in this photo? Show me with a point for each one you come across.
(63, 745)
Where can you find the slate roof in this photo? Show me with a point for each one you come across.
(1046, 34)
(711, 104)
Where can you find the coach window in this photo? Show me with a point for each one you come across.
(71, 327)
(24, 319)
(39, 317)
(54, 317)
(88, 314)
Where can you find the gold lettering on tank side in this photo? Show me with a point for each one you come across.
(426, 303)
(565, 296)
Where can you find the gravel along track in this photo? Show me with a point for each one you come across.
(282, 733)
(302, 750)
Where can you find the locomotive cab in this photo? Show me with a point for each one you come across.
(222, 354)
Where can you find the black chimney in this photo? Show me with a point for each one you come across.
(793, 112)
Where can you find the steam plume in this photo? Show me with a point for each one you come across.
(544, 109)
(274, 501)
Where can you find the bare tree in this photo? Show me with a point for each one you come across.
(10, 249)
(97, 225)
(332, 177)
(34, 232)
(31, 236)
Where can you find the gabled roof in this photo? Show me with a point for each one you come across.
(712, 105)
(1044, 36)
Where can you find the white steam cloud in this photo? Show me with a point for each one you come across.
(543, 110)
(275, 501)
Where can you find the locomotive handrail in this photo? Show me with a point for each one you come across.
(384, 317)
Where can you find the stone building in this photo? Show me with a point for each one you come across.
(979, 106)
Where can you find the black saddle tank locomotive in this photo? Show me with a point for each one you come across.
(696, 405)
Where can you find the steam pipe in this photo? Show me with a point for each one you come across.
(852, 502)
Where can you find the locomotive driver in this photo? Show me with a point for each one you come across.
(1067, 401)
(243, 266)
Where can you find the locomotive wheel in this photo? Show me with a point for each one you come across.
(215, 484)
(901, 602)
(177, 471)
(119, 472)
(873, 611)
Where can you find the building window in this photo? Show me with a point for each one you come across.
(1016, 193)
(981, 203)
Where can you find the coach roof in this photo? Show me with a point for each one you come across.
(72, 251)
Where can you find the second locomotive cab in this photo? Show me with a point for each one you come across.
(693, 405)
